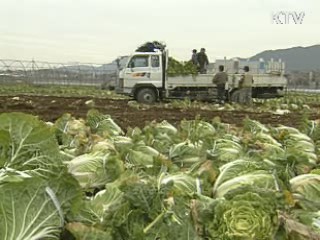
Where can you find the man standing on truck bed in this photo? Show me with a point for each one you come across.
(220, 79)
(203, 60)
(245, 86)
(194, 57)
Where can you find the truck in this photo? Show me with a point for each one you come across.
(145, 78)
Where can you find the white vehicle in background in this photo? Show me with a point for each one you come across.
(145, 78)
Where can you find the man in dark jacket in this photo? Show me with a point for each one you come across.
(203, 60)
(220, 79)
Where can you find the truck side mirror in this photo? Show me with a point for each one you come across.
(131, 64)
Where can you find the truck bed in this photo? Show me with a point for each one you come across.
(205, 80)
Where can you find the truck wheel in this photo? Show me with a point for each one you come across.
(146, 95)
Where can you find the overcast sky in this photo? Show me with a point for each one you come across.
(100, 30)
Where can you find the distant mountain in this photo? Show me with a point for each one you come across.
(297, 58)
(89, 68)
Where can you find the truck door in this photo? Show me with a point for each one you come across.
(156, 68)
(137, 70)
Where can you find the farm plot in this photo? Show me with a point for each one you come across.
(127, 113)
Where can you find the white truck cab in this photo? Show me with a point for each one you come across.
(143, 70)
(145, 78)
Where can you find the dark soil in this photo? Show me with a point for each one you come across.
(49, 108)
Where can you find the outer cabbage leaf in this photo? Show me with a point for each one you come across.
(73, 134)
(311, 219)
(105, 146)
(103, 203)
(27, 143)
(307, 191)
(141, 155)
(254, 126)
(160, 136)
(102, 125)
(258, 179)
(187, 153)
(206, 172)
(180, 183)
(286, 129)
(266, 138)
(61, 125)
(95, 169)
(300, 145)
(315, 171)
(34, 208)
(312, 129)
(227, 149)
(237, 168)
(196, 130)
(300, 148)
(263, 146)
(122, 144)
(84, 232)
(165, 127)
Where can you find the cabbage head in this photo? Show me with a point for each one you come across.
(247, 216)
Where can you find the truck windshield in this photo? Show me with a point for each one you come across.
(139, 61)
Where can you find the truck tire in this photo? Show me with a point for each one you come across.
(146, 95)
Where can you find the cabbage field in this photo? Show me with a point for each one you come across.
(108, 168)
